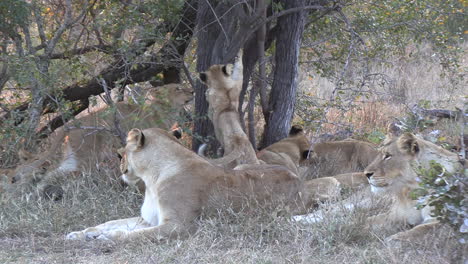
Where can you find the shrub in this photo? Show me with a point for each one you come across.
(446, 193)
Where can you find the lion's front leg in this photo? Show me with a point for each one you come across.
(414, 234)
(164, 231)
(318, 190)
(116, 226)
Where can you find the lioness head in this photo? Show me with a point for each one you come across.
(31, 168)
(224, 84)
(126, 177)
(301, 140)
(135, 142)
(176, 94)
(394, 169)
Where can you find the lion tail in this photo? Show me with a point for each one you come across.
(229, 158)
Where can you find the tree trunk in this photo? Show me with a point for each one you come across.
(259, 83)
(249, 59)
(283, 93)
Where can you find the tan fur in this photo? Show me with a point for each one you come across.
(5, 178)
(352, 180)
(337, 157)
(224, 83)
(89, 147)
(289, 152)
(181, 184)
(392, 173)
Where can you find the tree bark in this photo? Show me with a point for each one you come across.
(259, 83)
(283, 93)
(249, 59)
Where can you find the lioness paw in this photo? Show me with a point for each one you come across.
(87, 234)
(78, 235)
(316, 217)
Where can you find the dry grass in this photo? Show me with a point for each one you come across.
(398, 84)
(32, 231)
(365, 116)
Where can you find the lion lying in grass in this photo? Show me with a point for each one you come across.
(289, 152)
(392, 174)
(91, 141)
(180, 185)
(337, 157)
(224, 83)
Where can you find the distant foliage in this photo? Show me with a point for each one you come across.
(446, 193)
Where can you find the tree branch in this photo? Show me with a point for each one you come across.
(255, 22)
(180, 38)
(80, 51)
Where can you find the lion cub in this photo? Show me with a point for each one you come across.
(180, 185)
(224, 84)
(337, 157)
(289, 152)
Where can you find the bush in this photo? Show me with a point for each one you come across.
(446, 193)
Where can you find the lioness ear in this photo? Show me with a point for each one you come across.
(203, 77)
(239, 54)
(227, 69)
(393, 130)
(177, 133)
(45, 166)
(120, 153)
(295, 130)
(408, 143)
(135, 139)
(24, 155)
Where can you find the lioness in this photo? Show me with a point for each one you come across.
(337, 157)
(180, 185)
(289, 152)
(90, 140)
(392, 173)
(224, 83)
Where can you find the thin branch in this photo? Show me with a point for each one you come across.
(40, 25)
(80, 51)
(218, 20)
(27, 39)
(462, 131)
(189, 77)
(68, 21)
(108, 99)
(252, 25)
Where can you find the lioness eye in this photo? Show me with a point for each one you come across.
(387, 156)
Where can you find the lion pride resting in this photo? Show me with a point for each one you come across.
(392, 173)
(180, 185)
(85, 147)
(224, 83)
